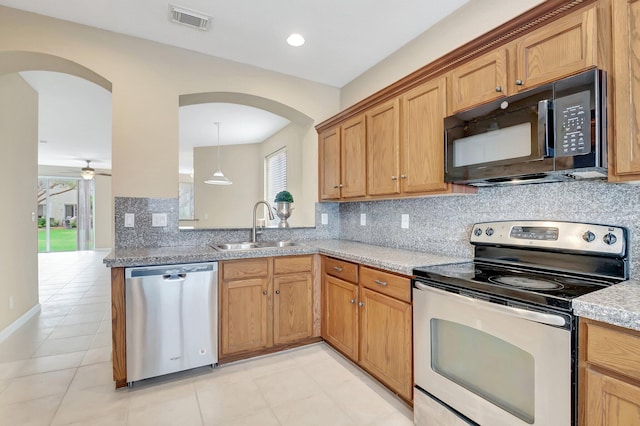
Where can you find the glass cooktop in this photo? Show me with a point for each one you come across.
(529, 285)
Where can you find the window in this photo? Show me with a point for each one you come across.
(185, 197)
(276, 173)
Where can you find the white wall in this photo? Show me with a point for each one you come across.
(465, 24)
(18, 188)
(147, 78)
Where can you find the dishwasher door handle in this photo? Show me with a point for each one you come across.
(174, 277)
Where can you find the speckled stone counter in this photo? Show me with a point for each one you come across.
(617, 305)
(400, 261)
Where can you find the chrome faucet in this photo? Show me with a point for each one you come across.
(255, 207)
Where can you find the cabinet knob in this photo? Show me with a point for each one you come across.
(335, 187)
(498, 88)
(352, 301)
(519, 83)
(277, 291)
(341, 186)
(361, 304)
(265, 292)
(403, 176)
(394, 177)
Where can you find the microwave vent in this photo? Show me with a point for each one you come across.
(189, 18)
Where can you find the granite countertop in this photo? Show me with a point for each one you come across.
(395, 260)
(617, 305)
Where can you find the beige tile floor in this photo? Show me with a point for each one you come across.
(56, 370)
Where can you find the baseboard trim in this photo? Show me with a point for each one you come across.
(8, 331)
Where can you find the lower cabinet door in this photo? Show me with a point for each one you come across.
(386, 340)
(292, 307)
(341, 316)
(243, 322)
(610, 401)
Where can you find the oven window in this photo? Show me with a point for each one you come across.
(490, 367)
(493, 145)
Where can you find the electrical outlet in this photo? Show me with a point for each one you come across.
(404, 221)
(10, 302)
(324, 219)
(159, 219)
(33, 216)
(363, 219)
(129, 220)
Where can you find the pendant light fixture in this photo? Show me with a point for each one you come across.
(218, 177)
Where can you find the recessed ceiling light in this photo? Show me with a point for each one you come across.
(295, 40)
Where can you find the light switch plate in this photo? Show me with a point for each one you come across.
(324, 219)
(363, 219)
(404, 221)
(159, 219)
(129, 220)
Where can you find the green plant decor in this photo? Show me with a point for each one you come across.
(283, 197)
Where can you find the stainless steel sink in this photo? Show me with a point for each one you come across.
(254, 246)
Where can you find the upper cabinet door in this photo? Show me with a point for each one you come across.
(560, 48)
(329, 164)
(626, 51)
(422, 148)
(482, 80)
(353, 163)
(383, 149)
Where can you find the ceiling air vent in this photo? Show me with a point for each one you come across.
(188, 17)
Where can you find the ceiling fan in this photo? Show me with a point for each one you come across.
(89, 172)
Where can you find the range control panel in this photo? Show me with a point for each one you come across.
(575, 236)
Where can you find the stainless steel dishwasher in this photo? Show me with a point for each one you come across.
(171, 318)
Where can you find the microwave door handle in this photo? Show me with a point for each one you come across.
(525, 314)
(545, 127)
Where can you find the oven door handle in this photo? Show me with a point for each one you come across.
(525, 314)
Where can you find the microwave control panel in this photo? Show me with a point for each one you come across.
(573, 124)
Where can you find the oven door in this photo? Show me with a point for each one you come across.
(495, 364)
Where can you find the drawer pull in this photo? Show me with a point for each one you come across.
(337, 268)
(384, 283)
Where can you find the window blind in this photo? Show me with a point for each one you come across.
(276, 171)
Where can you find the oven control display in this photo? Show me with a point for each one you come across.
(573, 125)
(534, 233)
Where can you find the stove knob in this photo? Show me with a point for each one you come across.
(477, 232)
(489, 232)
(609, 239)
(588, 236)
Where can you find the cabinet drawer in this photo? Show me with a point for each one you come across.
(339, 268)
(246, 268)
(386, 283)
(613, 349)
(287, 265)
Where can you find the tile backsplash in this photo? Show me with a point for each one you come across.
(436, 224)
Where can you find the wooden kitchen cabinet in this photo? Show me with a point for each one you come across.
(342, 161)
(329, 164)
(482, 80)
(383, 149)
(561, 48)
(264, 303)
(341, 316)
(293, 299)
(244, 305)
(367, 315)
(609, 379)
(625, 161)
(386, 340)
(421, 149)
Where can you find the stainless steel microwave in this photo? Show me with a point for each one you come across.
(552, 133)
